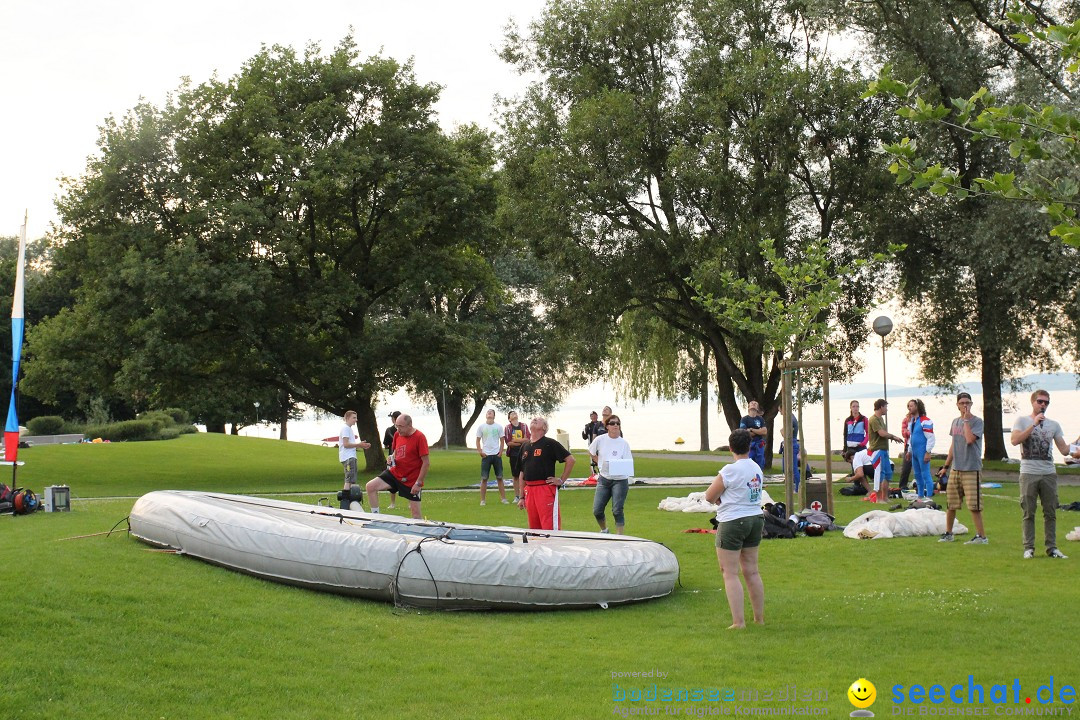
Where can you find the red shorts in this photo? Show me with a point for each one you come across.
(542, 505)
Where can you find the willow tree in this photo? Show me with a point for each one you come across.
(665, 134)
(649, 359)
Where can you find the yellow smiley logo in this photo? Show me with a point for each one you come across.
(862, 693)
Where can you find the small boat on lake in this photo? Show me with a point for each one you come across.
(411, 562)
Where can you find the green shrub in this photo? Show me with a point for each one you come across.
(179, 415)
(46, 425)
(169, 433)
(160, 418)
(188, 430)
(128, 430)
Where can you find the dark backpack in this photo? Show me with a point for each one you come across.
(774, 527)
(777, 510)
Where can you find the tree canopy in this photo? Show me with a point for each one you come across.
(987, 288)
(263, 236)
(664, 136)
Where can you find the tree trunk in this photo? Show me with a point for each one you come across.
(286, 407)
(453, 431)
(725, 396)
(770, 423)
(993, 437)
(235, 429)
(703, 392)
(216, 427)
(990, 371)
(368, 429)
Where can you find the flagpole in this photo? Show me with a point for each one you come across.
(18, 324)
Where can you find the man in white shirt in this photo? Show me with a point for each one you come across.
(862, 471)
(347, 444)
(1037, 434)
(489, 443)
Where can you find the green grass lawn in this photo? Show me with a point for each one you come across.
(250, 465)
(102, 627)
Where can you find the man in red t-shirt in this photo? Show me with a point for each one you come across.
(408, 467)
(538, 458)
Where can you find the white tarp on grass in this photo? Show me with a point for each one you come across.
(695, 503)
(879, 525)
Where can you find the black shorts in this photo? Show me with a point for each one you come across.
(515, 465)
(396, 486)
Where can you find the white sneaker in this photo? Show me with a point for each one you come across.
(1057, 554)
(1028, 554)
(947, 537)
(516, 499)
(978, 540)
(483, 502)
(504, 501)
(605, 531)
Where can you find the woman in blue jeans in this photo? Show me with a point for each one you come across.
(610, 485)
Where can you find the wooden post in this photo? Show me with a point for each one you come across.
(828, 438)
(802, 443)
(786, 366)
(789, 476)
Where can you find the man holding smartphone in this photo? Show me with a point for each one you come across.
(965, 457)
(1037, 434)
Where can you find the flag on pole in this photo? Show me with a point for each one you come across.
(11, 429)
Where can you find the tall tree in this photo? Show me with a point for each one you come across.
(977, 273)
(487, 341)
(665, 134)
(255, 237)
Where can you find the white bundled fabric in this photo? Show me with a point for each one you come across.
(695, 503)
(1074, 534)
(375, 556)
(878, 524)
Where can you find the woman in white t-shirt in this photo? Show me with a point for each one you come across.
(738, 490)
(610, 485)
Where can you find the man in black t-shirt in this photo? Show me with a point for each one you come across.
(538, 458)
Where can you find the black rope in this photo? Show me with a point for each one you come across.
(126, 519)
(397, 574)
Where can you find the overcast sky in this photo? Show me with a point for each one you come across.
(66, 65)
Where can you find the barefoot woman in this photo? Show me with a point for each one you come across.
(738, 489)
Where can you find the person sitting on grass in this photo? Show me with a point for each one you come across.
(862, 472)
(737, 488)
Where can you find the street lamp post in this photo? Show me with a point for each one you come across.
(256, 416)
(883, 326)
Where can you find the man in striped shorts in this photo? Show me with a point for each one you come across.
(965, 458)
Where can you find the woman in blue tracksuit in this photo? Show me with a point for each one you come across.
(921, 429)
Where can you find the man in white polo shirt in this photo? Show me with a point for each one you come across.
(1037, 435)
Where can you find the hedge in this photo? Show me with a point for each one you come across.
(46, 425)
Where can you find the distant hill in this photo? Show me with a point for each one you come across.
(1047, 381)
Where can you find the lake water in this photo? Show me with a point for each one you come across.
(657, 425)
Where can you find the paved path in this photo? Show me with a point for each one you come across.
(840, 468)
